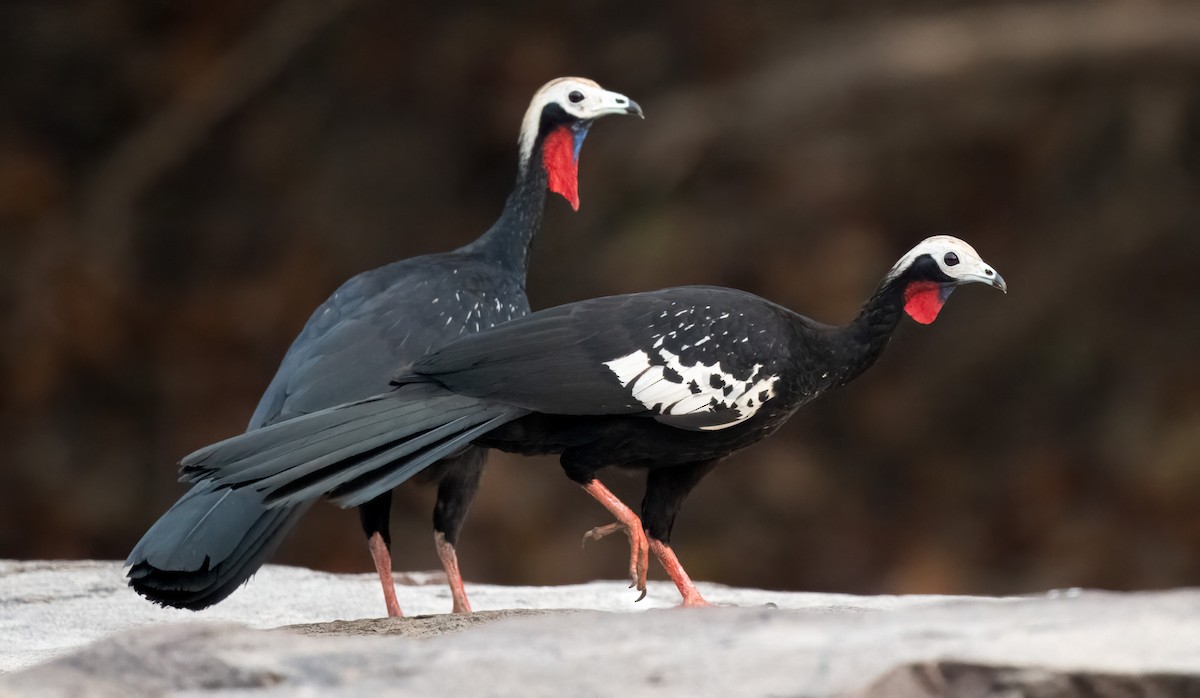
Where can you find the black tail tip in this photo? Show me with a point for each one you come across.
(192, 591)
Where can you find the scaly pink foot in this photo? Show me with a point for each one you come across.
(666, 556)
(383, 565)
(449, 559)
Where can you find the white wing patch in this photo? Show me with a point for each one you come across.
(714, 389)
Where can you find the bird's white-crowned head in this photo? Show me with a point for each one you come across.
(558, 118)
(933, 269)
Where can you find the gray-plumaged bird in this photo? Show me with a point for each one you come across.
(212, 540)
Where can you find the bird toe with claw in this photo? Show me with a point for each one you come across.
(639, 551)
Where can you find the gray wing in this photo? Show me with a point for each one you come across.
(379, 320)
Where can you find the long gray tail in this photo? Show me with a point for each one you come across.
(207, 545)
(353, 452)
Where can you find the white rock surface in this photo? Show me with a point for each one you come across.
(51, 607)
(812, 644)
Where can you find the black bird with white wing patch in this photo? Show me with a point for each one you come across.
(212, 540)
(670, 381)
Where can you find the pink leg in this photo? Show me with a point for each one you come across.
(666, 556)
(383, 565)
(627, 521)
(450, 563)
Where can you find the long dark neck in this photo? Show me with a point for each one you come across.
(862, 341)
(508, 240)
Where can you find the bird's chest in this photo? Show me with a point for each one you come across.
(660, 440)
(642, 443)
(766, 420)
(789, 392)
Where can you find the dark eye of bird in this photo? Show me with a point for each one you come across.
(575, 96)
(951, 259)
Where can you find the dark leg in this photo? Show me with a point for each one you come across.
(456, 488)
(375, 516)
(666, 489)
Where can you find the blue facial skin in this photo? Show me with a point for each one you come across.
(580, 129)
(944, 290)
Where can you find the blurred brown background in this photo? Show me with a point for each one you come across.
(181, 183)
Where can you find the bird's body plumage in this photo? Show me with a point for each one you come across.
(646, 380)
(671, 381)
(210, 542)
(213, 540)
(383, 317)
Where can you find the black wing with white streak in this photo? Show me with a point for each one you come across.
(698, 358)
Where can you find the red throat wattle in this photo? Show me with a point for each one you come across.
(558, 155)
(923, 301)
